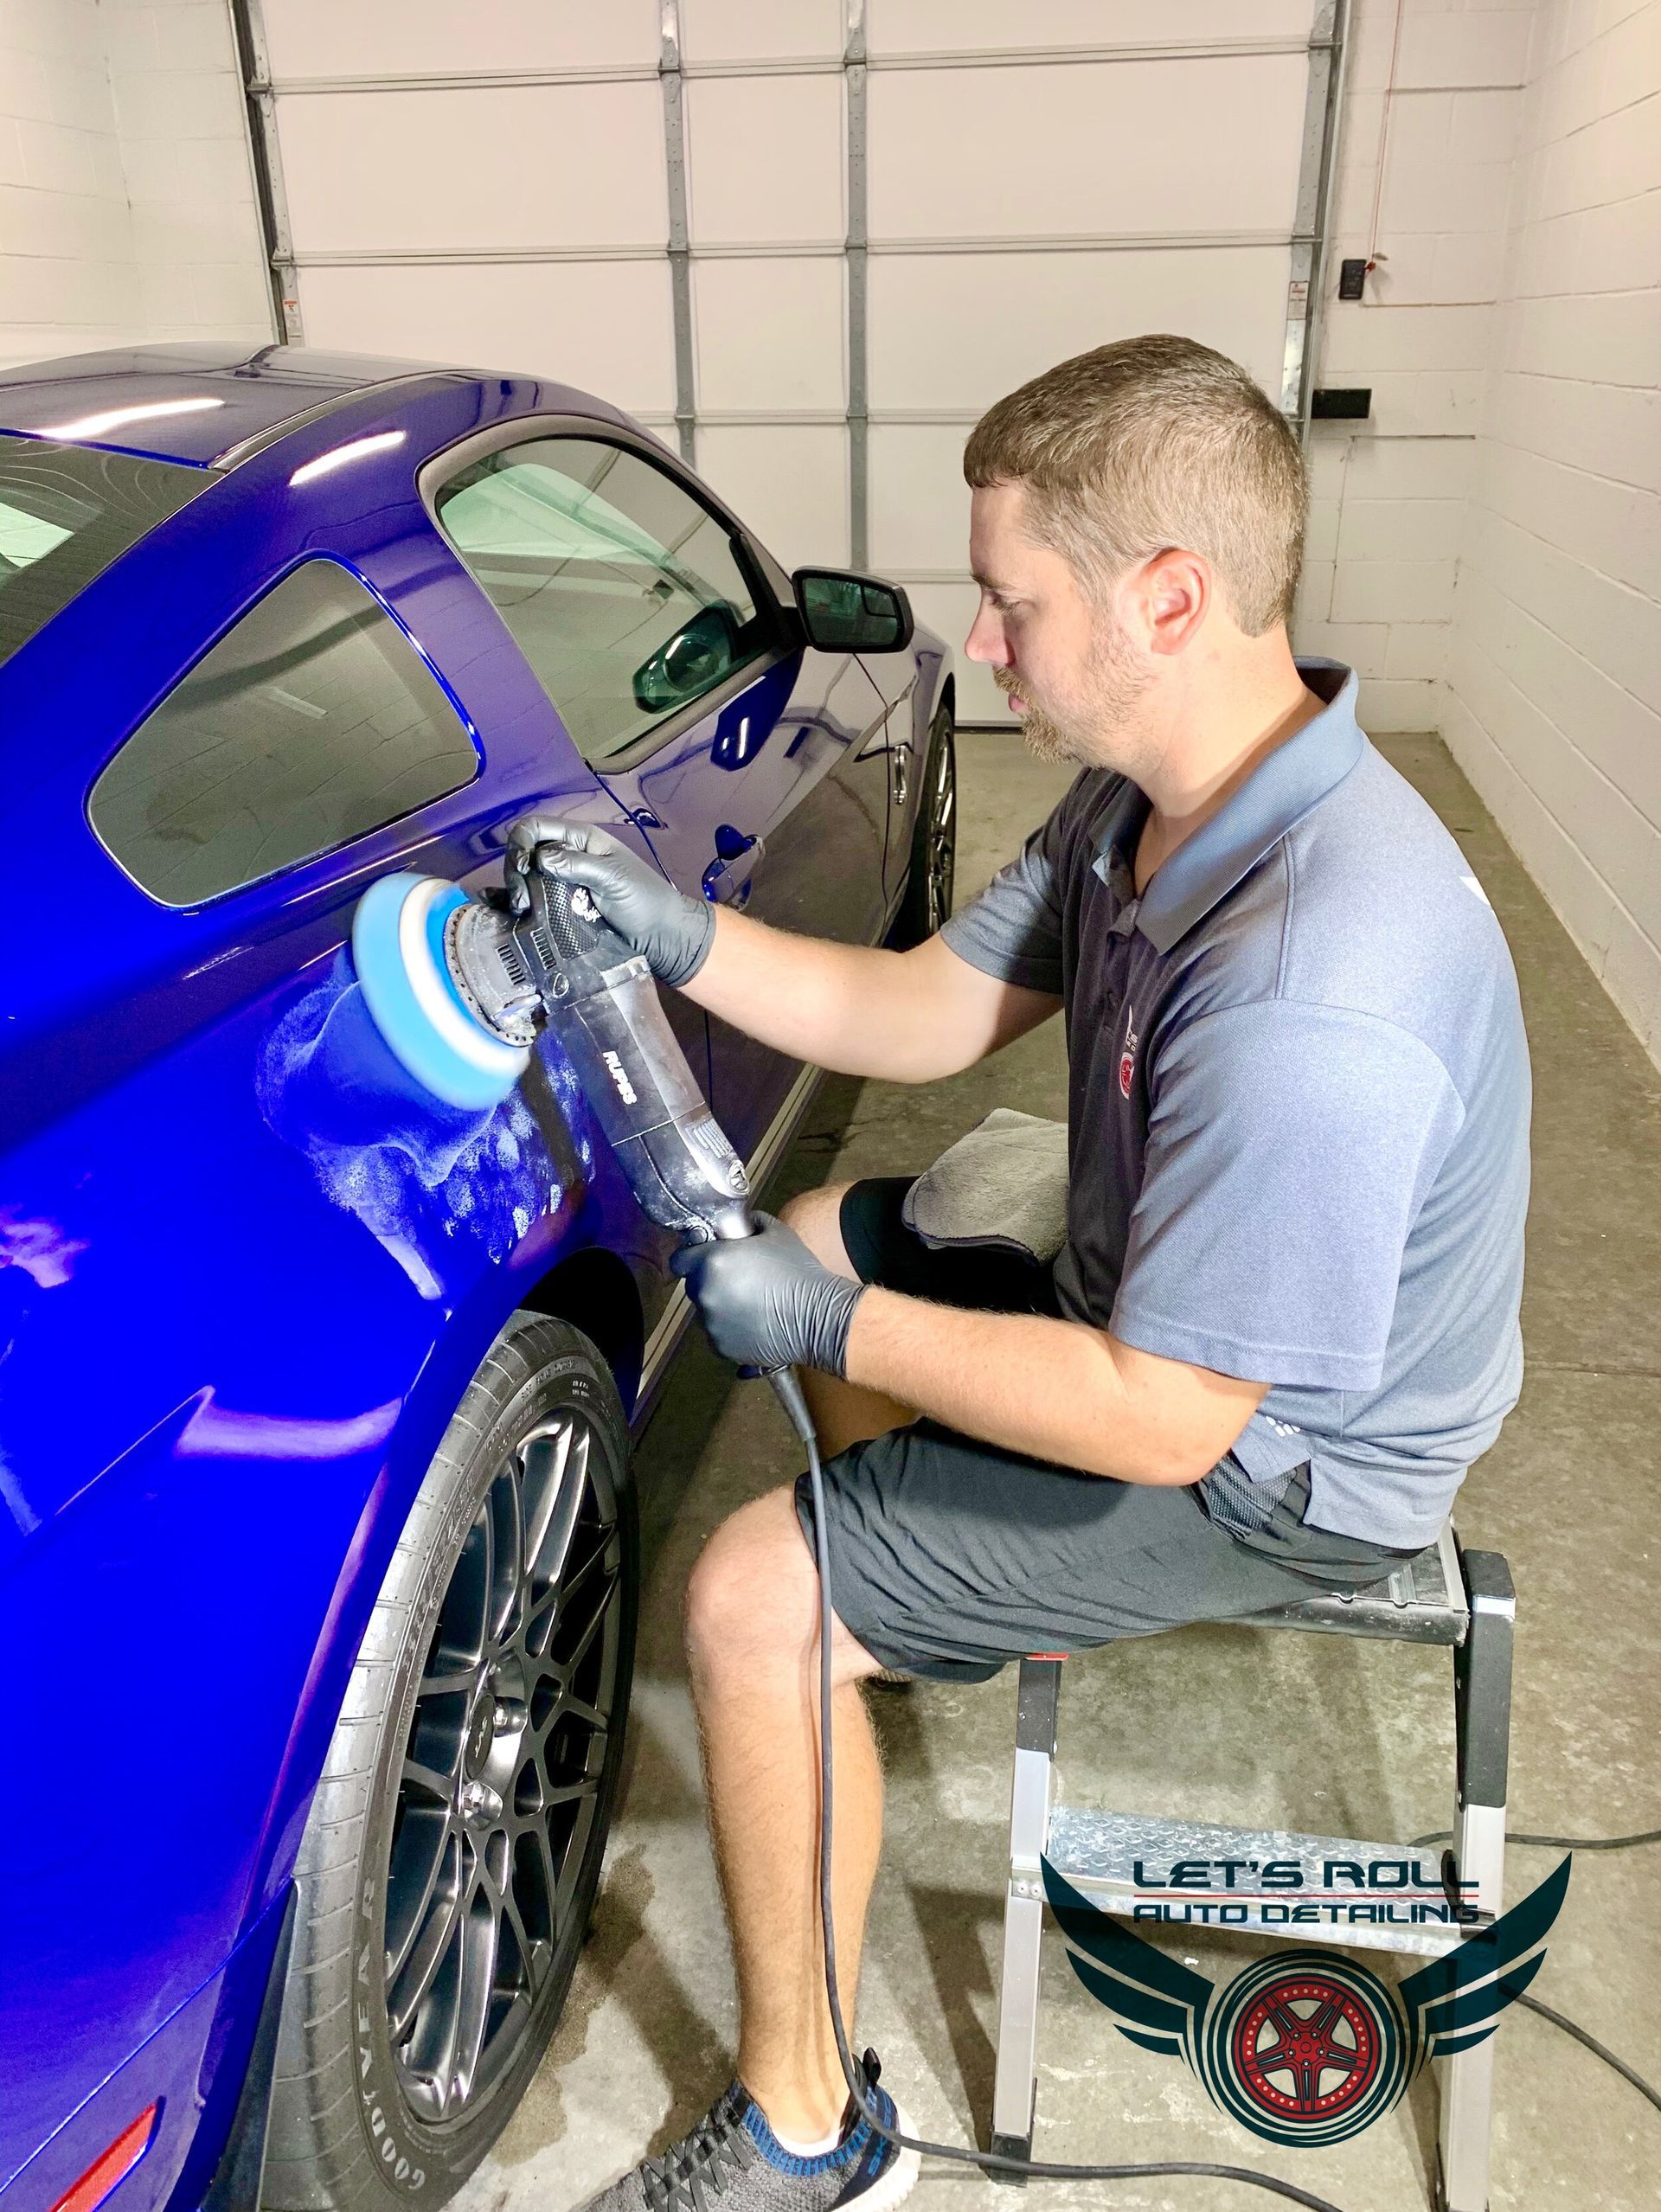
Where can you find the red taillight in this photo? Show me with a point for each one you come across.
(117, 2162)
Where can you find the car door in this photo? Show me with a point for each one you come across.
(755, 766)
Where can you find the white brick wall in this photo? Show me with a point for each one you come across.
(1552, 701)
(126, 199)
(68, 275)
(1389, 495)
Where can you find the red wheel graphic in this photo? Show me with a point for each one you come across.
(1304, 2048)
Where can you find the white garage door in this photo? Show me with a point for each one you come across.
(811, 239)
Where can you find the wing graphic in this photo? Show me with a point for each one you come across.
(1156, 2001)
(1455, 2002)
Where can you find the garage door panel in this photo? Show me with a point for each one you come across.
(327, 38)
(920, 503)
(530, 166)
(959, 26)
(770, 333)
(603, 327)
(760, 31)
(765, 157)
(789, 484)
(1123, 147)
(960, 329)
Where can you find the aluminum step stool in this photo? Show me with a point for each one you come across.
(1444, 1595)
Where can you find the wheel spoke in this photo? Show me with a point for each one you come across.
(449, 1677)
(602, 1611)
(570, 1793)
(481, 1935)
(533, 1950)
(417, 1775)
(433, 1940)
(563, 1592)
(570, 1867)
(544, 1459)
(547, 1560)
(485, 1528)
(425, 1850)
(507, 1530)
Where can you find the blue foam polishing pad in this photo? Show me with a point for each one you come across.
(398, 950)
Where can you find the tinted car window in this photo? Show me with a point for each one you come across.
(66, 512)
(312, 721)
(625, 594)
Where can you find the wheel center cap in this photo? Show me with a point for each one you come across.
(481, 1732)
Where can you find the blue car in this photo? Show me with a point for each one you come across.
(318, 1550)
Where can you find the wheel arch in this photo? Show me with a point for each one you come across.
(594, 1291)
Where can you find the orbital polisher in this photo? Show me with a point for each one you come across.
(459, 989)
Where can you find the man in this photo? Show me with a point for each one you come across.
(1284, 1318)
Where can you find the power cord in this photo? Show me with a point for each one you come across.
(789, 1390)
(1533, 2003)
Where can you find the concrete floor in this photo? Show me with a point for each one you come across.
(1215, 1723)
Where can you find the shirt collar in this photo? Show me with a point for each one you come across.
(1277, 794)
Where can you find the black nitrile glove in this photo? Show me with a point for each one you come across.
(672, 930)
(767, 1303)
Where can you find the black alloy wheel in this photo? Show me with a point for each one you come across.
(502, 1770)
(927, 901)
(449, 1866)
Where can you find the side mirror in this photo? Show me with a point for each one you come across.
(843, 613)
(689, 663)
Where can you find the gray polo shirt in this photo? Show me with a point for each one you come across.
(1297, 1113)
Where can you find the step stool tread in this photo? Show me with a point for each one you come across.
(1348, 1891)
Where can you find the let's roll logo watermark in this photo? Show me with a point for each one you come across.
(1303, 2048)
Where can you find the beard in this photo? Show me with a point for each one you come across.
(1096, 730)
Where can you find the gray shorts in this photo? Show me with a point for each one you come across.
(950, 1557)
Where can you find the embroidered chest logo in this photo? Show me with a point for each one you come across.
(1127, 1057)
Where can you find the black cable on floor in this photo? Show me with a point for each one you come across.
(1557, 1843)
(1570, 2028)
(1559, 2019)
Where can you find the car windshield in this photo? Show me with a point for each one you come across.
(66, 512)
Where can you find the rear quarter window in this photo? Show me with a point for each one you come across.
(312, 722)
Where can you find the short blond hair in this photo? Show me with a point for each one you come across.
(1148, 444)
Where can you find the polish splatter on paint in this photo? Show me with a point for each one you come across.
(417, 1174)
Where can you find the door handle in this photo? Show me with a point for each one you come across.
(724, 879)
(901, 759)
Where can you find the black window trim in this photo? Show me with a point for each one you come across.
(216, 898)
(761, 571)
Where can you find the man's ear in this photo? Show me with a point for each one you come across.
(1177, 591)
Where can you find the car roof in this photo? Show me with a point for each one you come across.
(137, 400)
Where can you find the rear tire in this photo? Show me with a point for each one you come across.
(454, 1849)
(927, 899)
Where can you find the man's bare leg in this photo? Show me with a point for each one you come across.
(842, 1413)
(753, 1642)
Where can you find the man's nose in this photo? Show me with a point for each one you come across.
(986, 641)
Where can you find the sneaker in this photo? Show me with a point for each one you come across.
(732, 2162)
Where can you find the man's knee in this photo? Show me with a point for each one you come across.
(754, 1586)
(753, 1598)
(816, 1216)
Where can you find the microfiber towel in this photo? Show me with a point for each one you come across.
(1005, 1184)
